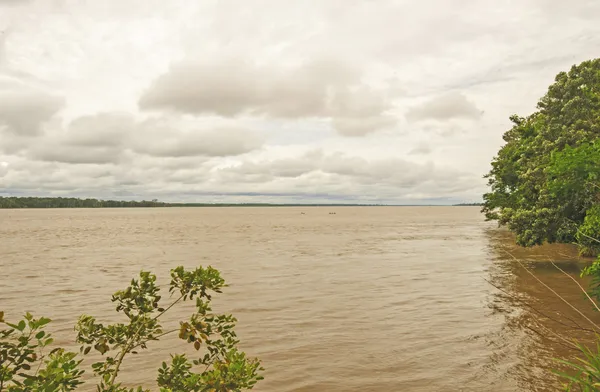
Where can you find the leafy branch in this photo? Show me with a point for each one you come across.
(222, 367)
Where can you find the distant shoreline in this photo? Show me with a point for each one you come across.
(62, 202)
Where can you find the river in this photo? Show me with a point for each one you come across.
(331, 299)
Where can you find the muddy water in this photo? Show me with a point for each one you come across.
(366, 299)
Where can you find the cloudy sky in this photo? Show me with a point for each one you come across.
(368, 101)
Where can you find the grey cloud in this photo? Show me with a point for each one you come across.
(122, 193)
(421, 149)
(24, 110)
(357, 126)
(115, 137)
(14, 2)
(3, 168)
(100, 130)
(231, 87)
(96, 139)
(343, 169)
(3, 37)
(24, 107)
(156, 141)
(444, 107)
(74, 154)
(322, 89)
(309, 177)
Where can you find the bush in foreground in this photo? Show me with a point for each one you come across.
(27, 362)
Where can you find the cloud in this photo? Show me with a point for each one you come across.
(24, 106)
(3, 37)
(340, 168)
(23, 109)
(75, 155)
(3, 168)
(444, 107)
(100, 130)
(321, 89)
(94, 139)
(421, 149)
(14, 2)
(115, 137)
(302, 101)
(158, 142)
(314, 176)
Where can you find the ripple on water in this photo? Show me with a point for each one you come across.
(371, 299)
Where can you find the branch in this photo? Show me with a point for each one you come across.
(514, 297)
(593, 184)
(588, 237)
(119, 362)
(583, 234)
(570, 345)
(168, 307)
(155, 338)
(578, 285)
(554, 292)
(129, 346)
(41, 360)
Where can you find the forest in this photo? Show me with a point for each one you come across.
(71, 202)
(545, 180)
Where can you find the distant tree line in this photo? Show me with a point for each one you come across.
(71, 202)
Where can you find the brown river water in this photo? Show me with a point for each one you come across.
(366, 299)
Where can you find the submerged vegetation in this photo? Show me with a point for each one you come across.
(29, 363)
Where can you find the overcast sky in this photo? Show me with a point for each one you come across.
(371, 101)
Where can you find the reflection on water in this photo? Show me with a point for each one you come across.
(537, 320)
(366, 299)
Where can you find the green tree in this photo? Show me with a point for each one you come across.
(219, 367)
(527, 193)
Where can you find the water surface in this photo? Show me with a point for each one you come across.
(366, 299)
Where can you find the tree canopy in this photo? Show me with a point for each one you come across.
(545, 179)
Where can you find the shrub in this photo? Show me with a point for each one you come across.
(25, 366)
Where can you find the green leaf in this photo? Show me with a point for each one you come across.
(40, 335)
(21, 326)
(43, 321)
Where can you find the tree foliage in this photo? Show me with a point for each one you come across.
(71, 202)
(220, 365)
(545, 178)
